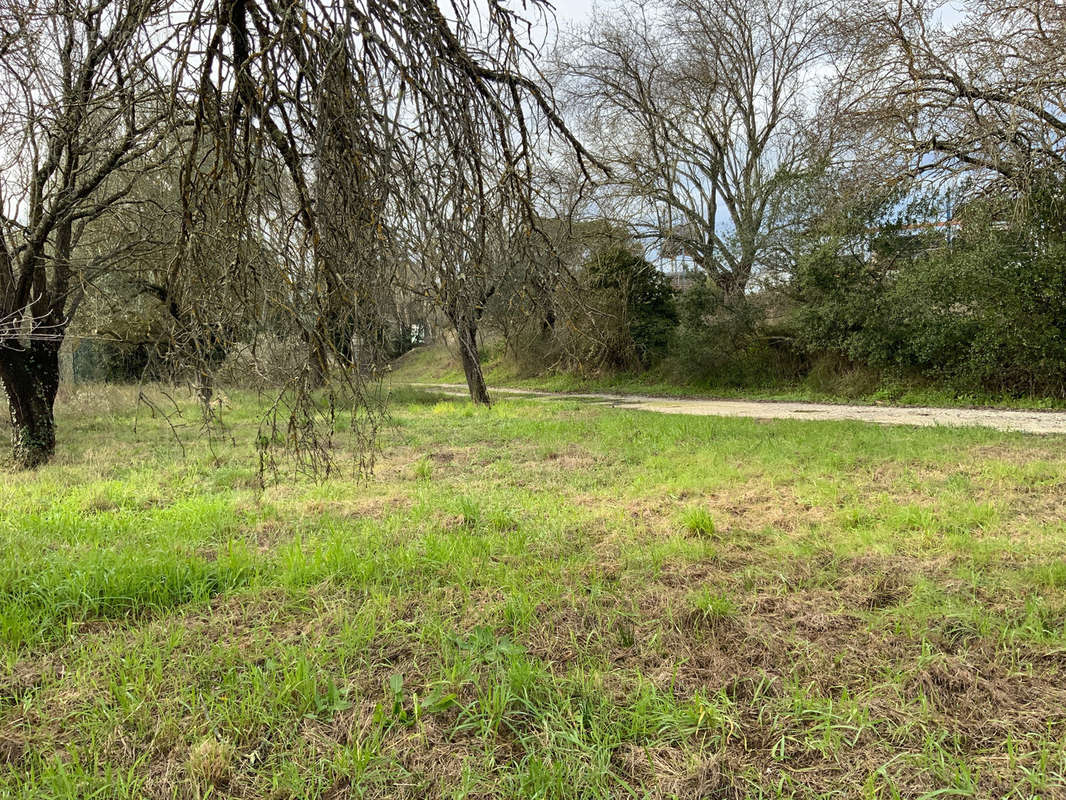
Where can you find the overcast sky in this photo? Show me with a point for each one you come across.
(579, 10)
(572, 10)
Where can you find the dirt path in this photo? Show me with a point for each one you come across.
(1026, 421)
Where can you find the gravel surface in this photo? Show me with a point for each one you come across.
(1004, 420)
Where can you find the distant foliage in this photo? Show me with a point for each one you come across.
(110, 362)
(742, 342)
(639, 315)
(123, 349)
(982, 305)
(887, 290)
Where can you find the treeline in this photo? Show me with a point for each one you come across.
(793, 184)
(973, 301)
(764, 188)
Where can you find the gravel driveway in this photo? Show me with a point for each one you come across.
(1004, 420)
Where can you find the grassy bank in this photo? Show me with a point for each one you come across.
(536, 600)
(437, 364)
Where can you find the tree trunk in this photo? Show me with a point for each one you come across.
(733, 286)
(471, 358)
(31, 379)
(317, 358)
(205, 389)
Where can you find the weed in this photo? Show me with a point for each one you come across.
(502, 520)
(470, 511)
(711, 609)
(423, 469)
(699, 522)
(210, 763)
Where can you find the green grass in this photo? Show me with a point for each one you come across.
(536, 600)
(699, 521)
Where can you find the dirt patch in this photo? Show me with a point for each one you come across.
(1014, 453)
(12, 748)
(671, 772)
(24, 677)
(739, 515)
(357, 507)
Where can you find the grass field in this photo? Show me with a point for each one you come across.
(537, 600)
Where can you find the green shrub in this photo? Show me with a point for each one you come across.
(638, 314)
(744, 342)
(982, 309)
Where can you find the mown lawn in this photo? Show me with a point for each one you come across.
(543, 599)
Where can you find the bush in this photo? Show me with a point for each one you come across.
(616, 312)
(110, 361)
(984, 310)
(123, 351)
(744, 342)
(639, 313)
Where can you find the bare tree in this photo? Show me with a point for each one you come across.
(294, 128)
(983, 95)
(703, 110)
(462, 238)
(80, 106)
